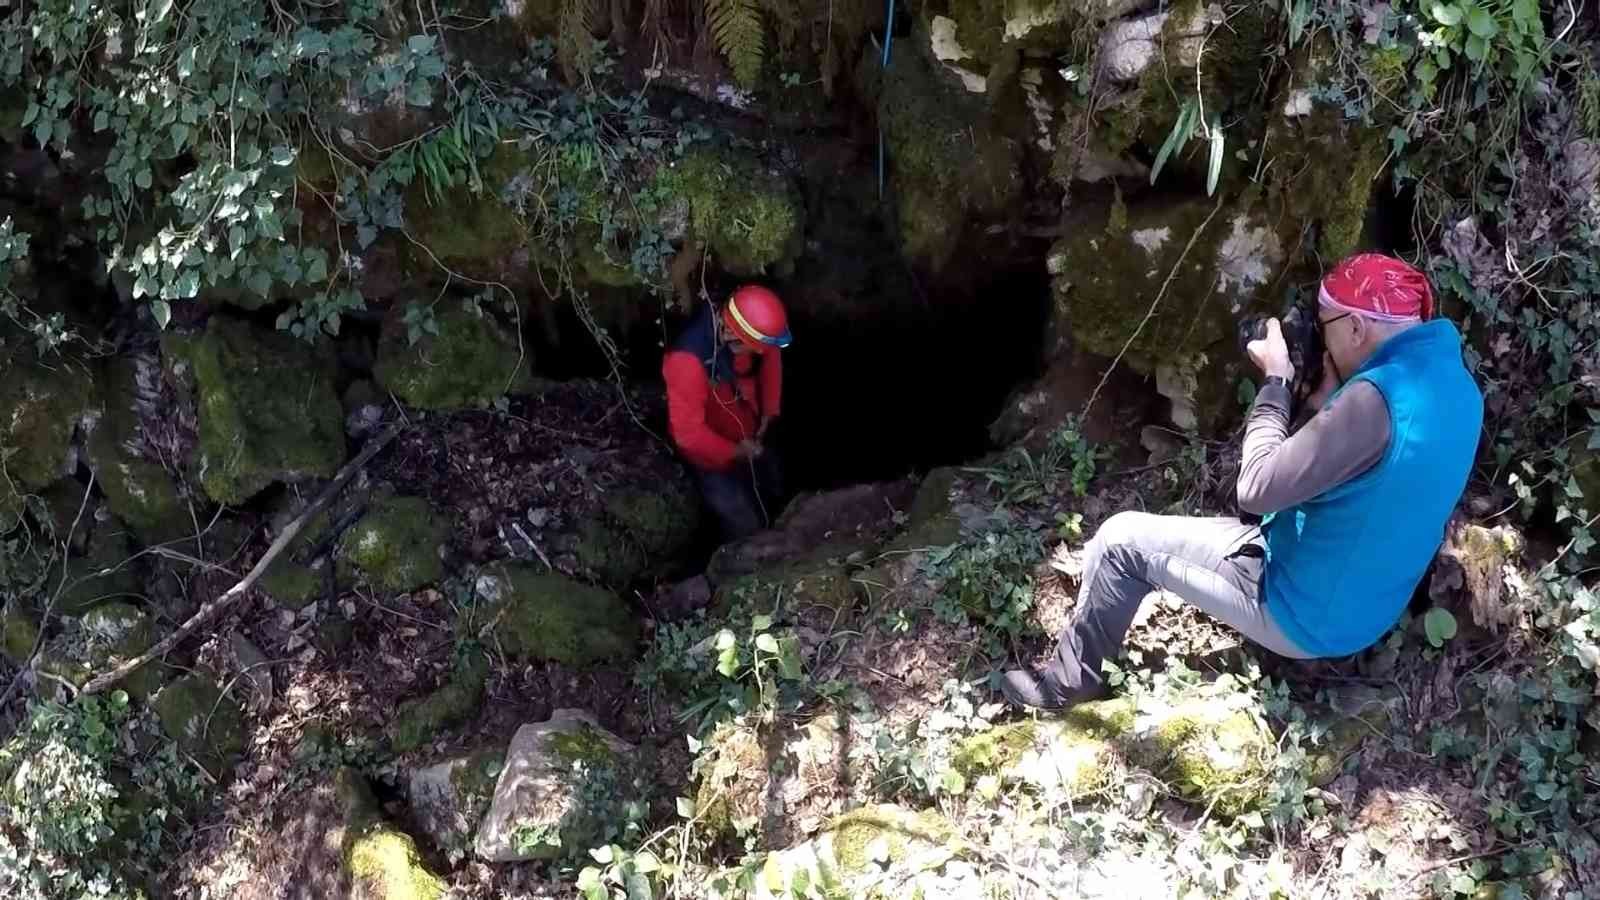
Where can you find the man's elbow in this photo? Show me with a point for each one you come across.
(1253, 500)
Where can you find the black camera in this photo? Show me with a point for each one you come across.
(1300, 333)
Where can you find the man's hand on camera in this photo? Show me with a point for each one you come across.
(748, 450)
(1271, 354)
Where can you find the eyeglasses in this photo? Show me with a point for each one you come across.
(1322, 324)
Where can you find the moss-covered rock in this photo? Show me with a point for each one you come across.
(559, 790)
(267, 405)
(19, 631)
(732, 777)
(378, 861)
(876, 851)
(450, 797)
(949, 159)
(639, 533)
(139, 491)
(395, 546)
(43, 405)
(456, 701)
(468, 362)
(117, 632)
(1211, 748)
(293, 585)
(104, 572)
(750, 217)
(206, 724)
(475, 232)
(545, 616)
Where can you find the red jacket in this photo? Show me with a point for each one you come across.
(707, 419)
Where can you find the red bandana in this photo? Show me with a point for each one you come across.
(1378, 287)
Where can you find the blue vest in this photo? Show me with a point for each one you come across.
(1342, 566)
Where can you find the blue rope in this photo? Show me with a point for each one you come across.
(888, 40)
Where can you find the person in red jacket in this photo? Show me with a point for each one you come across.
(724, 379)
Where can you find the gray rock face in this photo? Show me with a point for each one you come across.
(559, 775)
(450, 798)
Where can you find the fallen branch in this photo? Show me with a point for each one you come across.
(209, 611)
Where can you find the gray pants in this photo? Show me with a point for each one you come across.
(1213, 565)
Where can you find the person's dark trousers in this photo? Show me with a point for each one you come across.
(744, 499)
(1213, 565)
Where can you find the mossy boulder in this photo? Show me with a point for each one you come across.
(293, 585)
(731, 775)
(267, 406)
(449, 798)
(1212, 748)
(467, 361)
(379, 861)
(138, 491)
(876, 851)
(104, 572)
(559, 790)
(475, 232)
(117, 632)
(19, 631)
(749, 216)
(639, 533)
(456, 701)
(43, 406)
(395, 546)
(546, 616)
(207, 725)
(950, 161)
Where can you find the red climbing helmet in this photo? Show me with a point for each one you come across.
(756, 315)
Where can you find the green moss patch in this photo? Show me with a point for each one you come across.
(207, 725)
(469, 362)
(43, 405)
(419, 721)
(395, 546)
(268, 410)
(140, 492)
(750, 217)
(639, 533)
(19, 631)
(545, 616)
(387, 864)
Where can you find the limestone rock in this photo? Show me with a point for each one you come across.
(467, 360)
(395, 545)
(885, 851)
(545, 616)
(117, 632)
(1211, 748)
(206, 724)
(138, 491)
(558, 784)
(449, 798)
(335, 845)
(1472, 564)
(950, 163)
(19, 631)
(43, 406)
(640, 532)
(268, 411)
(750, 217)
(456, 701)
(781, 786)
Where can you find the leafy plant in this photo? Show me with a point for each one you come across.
(751, 665)
(740, 35)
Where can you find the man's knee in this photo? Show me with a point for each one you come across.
(1122, 530)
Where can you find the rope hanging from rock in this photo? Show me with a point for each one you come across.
(888, 39)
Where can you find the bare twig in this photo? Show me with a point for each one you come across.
(208, 611)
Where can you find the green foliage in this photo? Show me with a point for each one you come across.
(750, 665)
(200, 107)
(740, 35)
(79, 816)
(1440, 626)
(988, 578)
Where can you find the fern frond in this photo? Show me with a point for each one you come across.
(741, 36)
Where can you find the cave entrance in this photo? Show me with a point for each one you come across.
(911, 389)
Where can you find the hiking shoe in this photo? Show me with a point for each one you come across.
(1028, 687)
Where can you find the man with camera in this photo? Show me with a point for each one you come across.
(1352, 506)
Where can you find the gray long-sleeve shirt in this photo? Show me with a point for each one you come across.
(1341, 441)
